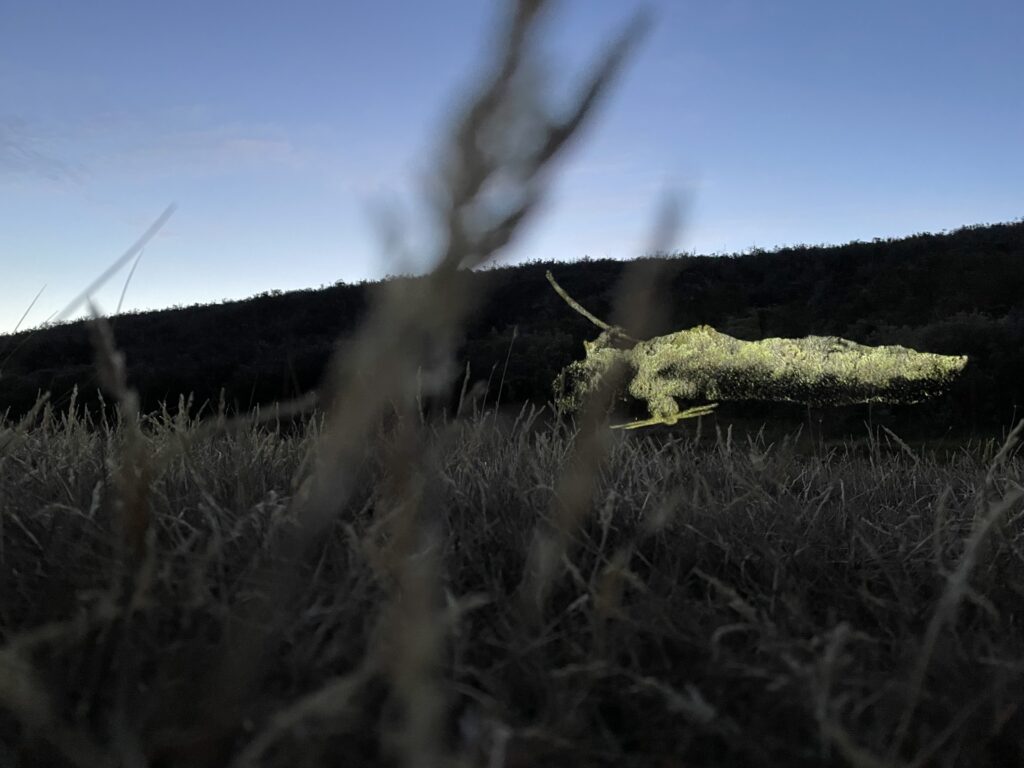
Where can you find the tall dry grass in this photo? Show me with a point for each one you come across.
(379, 588)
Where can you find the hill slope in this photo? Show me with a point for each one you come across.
(960, 292)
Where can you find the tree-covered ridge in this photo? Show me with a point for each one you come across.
(957, 293)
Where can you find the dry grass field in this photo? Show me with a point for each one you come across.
(735, 605)
(360, 584)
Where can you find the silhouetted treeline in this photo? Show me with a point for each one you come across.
(955, 293)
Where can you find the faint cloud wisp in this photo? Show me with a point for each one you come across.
(214, 150)
(19, 155)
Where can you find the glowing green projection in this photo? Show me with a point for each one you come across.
(703, 364)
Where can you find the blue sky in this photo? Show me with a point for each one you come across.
(280, 129)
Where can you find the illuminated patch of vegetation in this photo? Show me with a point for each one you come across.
(702, 364)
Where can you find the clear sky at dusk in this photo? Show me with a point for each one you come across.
(280, 128)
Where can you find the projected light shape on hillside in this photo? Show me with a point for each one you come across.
(702, 364)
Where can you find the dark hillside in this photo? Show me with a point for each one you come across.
(960, 292)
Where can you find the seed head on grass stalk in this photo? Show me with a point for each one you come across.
(133, 472)
(411, 325)
(407, 320)
(634, 307)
